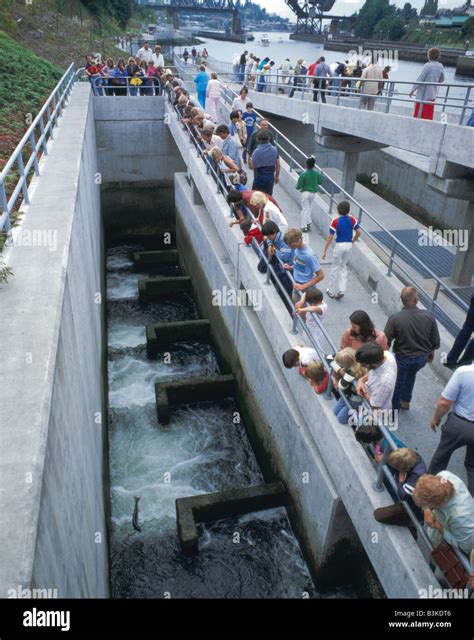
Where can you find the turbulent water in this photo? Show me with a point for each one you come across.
(204, 449)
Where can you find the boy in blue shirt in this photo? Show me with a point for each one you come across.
(250, 118)
(306, 269)
(346, 230)
(278, 252)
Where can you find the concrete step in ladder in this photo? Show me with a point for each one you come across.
(224, 504)
(191, 391)
(153, 289)
(144, 260)
(164, 335)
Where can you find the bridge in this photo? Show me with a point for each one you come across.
(202, 7)
(310, 15)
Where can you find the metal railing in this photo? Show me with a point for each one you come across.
(105, 85)
(25, 158)
(452, 98)
(384, 475)
(395, 255)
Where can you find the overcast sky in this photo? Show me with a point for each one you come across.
(347, 7)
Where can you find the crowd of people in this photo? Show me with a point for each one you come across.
(366, 79)
(373, 366)
(143, 74)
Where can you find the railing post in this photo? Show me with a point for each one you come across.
(445, 99)
(294, 326)
(331, 196)
(43, 135)
(390, 263)
(435, 296)
(3, 198)
(35, 161)
(24, 186)
(359, 217)
(388, 101)
(465, 103)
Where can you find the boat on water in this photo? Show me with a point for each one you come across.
(280, 40)
(250, 37)
(264, 41)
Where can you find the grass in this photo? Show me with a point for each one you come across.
(38, 43)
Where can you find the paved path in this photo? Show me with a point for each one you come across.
(414, 425)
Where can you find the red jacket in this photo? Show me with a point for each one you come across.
(253, 233)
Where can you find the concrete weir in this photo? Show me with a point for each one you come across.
(224, 504)
(153, 289)
(148, 259)
(161, 336)
(191, 391)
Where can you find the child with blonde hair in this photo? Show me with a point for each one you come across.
(317, 375)
(346, 370)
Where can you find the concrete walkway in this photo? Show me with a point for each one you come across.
(414, 425)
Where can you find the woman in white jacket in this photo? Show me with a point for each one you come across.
(213, 94)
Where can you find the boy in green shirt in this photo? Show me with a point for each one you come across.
(308, 183)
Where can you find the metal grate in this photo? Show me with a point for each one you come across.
(439, 259)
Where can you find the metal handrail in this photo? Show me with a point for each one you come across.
(345, 90)
(391, 254)
(383, 470)
(100, 86)
(52, 109)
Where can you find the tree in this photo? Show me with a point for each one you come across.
(408, 12)
(370, 14)
(467, 29)
(391, 27)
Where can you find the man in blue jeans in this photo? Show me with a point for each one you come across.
(415, 335)
(452, 359)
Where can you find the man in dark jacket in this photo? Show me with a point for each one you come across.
(463, 339)
(406, 466)
(415, 335)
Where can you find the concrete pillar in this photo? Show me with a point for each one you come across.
(349, 171)
(464, 263)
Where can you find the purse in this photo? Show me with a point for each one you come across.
(449, 564)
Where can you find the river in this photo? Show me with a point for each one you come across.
(402, 70)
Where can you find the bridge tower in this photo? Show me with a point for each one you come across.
(309, 15)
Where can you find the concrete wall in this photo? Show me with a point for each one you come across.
(281, 439)
(450, 142)
(133, 141)
(308, 438)
(52, 506)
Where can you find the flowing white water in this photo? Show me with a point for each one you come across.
(204, 449)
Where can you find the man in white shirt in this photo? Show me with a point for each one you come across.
(458, 430)
(369, 89)
(145, 53)
(378, 385)
(157, 57)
